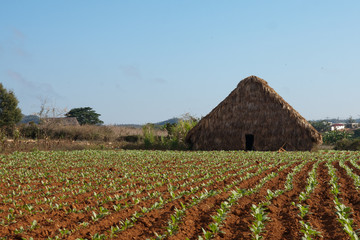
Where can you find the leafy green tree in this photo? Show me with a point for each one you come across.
(10, 114)
(332, 137)
(85, 115)
(321, 126)
(356, 133)
(177, 132)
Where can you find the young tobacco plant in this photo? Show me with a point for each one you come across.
(343, 212)
(258, 212)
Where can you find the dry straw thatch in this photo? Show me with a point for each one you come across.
(253, 117)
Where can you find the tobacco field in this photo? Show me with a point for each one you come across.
(180, 195)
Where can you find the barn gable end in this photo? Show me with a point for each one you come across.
(253, 117)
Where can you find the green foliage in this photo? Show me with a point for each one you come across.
(320, 126)
(332, 137)
(343, 140)
(130, 138)
(30, 130)
(356, 133)
(149, 135)
(85, 115)
(177, 132)
(348, 144)
(10, 114)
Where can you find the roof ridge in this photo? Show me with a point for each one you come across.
(252, 79)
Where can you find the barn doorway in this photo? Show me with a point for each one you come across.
(249, 142)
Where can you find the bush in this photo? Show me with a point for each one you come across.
(320, 126)
(175, 139)
(356, 133)
(30, 130)
(332, 137)
(149, 135)
(347, 144)
(130, 138)
(178, 132)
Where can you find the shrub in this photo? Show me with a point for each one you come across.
(149, 135)
(356, 133)
(347, 144)
(130, 138)
(175, 138)
(30, 130)
(320, 126)
(332, 137)
(178, 132)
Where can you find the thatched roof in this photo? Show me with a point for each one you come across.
(253, 110)
(64, 121)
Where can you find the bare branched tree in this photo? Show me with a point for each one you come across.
(49, 110)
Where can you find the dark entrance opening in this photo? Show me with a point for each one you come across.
(249, 142)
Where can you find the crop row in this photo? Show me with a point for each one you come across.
(172, 195)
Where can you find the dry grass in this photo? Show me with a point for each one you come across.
(83, 132)
(123, 131)
(52, 137)
(26, 145)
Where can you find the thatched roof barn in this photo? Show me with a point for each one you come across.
(253, 117)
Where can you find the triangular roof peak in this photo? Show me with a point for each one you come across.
(253, 109)
(252, 79)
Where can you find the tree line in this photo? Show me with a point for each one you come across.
(10, 113)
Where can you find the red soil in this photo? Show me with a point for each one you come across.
(283, 223)
(323, 217)
(240, 219)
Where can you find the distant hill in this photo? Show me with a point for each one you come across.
(171, 121)
(30, 118)
(158, 124)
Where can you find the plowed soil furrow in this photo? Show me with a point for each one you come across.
(322, 208)
(30, 198)
(284, 222)
(52, 220)
(199, 217)
(82, 182)
(239, 219)
(354, 169)
(156, 219)
(61, 219)
(41, 190)
(152, 222)
(348, 194)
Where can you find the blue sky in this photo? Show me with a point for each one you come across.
(147, 61)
